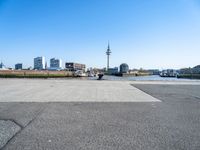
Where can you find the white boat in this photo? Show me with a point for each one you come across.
(80, 73)
(90, 75)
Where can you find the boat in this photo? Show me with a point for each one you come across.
(90, 75)
(168, 73)
(80, 73)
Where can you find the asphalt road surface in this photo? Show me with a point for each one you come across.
(171, 121)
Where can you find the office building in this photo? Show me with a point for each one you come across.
(39, 63)
(55, 64)
(18, 66)
(71, 66)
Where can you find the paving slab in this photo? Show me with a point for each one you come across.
(7, 130)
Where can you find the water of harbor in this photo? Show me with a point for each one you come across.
(142, 78)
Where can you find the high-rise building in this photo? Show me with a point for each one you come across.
(55, 63)
(39, 63)
(18, 66)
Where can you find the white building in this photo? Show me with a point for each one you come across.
(55, 64)
(39, 63)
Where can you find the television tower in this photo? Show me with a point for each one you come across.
(108, 52)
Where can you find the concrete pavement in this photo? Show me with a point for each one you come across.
(7, 130)
(171, 122)
(28, 90)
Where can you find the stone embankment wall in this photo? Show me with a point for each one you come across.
(34, 73)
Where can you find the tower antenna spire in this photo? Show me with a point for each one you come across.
(108, 52)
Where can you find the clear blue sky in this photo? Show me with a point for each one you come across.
(142, 33)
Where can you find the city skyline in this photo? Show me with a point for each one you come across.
(165, 35)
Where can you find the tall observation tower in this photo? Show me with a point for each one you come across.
(108, 52)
